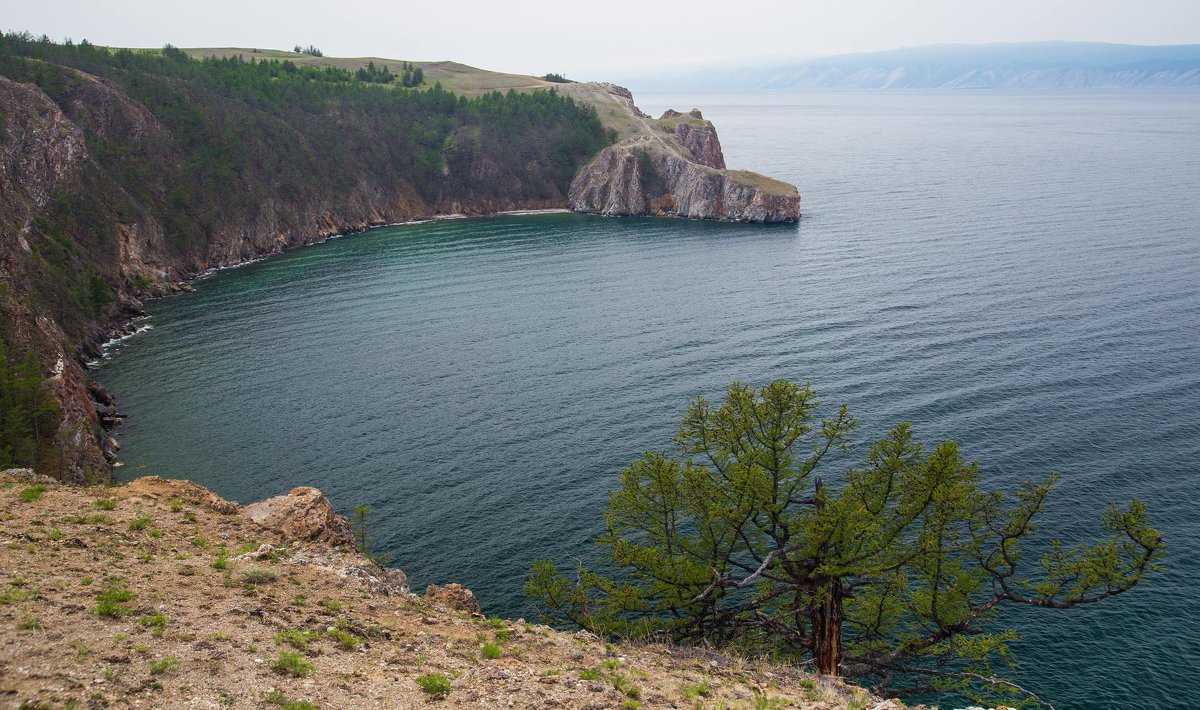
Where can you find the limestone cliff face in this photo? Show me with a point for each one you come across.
(675, 167)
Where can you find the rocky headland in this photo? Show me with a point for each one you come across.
(160, 593)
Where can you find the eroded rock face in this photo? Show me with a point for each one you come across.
(703, 143)
(453, 596)
(303, 515)
(647, 176)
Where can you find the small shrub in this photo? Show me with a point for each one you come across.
(201, 542)
(491, 650)
(54, 535)
(807, 684)
(29, 623)
(32, 493)
(259, 575)
(221, 562)
(105, 504)
(164, 666)
(434, 684)
(589, 674)
(176, 505)
(292, 663)
(141, 522)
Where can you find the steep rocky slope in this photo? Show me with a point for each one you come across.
(161, 594)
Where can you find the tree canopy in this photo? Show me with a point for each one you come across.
(28, 415)
(895, 573)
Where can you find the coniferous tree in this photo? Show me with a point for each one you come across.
(896, 574)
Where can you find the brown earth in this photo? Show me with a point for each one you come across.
(212, 601)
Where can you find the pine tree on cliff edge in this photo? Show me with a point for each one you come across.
(895, 574)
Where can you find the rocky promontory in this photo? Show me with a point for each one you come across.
(160, 593)
(676, 168)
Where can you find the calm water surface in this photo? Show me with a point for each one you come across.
(1019, 273)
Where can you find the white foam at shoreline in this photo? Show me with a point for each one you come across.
(105, 348)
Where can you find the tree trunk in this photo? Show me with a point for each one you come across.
(825, 615)
(826, 621)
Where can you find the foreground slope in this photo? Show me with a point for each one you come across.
(162, 594)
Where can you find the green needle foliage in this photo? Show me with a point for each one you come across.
(28, 414)
(895, 574)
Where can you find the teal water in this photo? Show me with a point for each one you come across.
(1020, 273)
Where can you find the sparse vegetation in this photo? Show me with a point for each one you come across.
(297, 638)
(346, 639)
(156, 622)
(259, 575)
(111, 603)
(141, 522)
(277, 698)
(31, 493)
(292, 663)
(164, 666)
(434, 684)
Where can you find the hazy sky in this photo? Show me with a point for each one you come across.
(590, 40)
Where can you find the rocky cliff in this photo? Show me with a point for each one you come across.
(160, 593)
(675, 167)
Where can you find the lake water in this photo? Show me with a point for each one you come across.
(1020, 273)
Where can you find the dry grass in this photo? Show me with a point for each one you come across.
(191, 634)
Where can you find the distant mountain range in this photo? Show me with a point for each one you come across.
(1036, 65)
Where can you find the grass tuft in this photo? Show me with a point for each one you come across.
(434, 684)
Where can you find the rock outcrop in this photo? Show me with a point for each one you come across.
(303, 515)
(699, 138)
(676, 168)
(453, 596)
(646, 176)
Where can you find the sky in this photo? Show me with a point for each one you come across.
(604, 37)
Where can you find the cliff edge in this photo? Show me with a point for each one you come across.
(162, 594)
(674, 167)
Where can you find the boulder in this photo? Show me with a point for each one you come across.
(453, 596)
(303, 515)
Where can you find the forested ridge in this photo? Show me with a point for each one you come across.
(188, 163)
